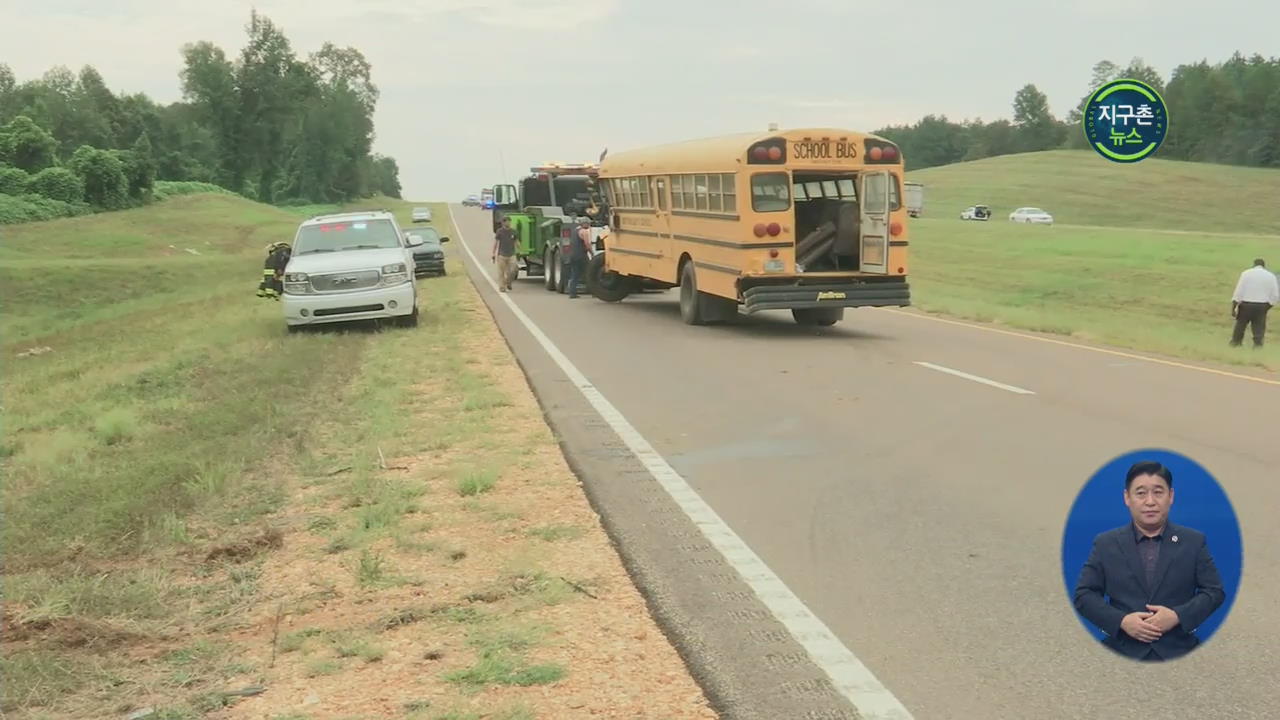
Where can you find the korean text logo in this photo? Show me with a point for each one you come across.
(1125, 120)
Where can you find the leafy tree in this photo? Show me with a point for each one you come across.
(105, 184)
(1036, 127)
(28, 146)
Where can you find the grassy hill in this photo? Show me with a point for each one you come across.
(1080, 188)
(1143, 256)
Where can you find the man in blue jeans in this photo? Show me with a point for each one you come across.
(579, 253)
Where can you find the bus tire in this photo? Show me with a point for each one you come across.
(821, 317)
(700, 308)
(550, 264)
(603, 284)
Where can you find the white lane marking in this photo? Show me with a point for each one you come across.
(850, 677)
(975, 378)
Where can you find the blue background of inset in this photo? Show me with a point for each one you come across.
(1198, 503)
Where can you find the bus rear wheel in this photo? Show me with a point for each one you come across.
(821, 317)
(604, 284)
(700, 308)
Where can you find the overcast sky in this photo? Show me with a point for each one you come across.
(470, 86)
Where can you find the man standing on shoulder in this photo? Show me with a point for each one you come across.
(1149, 584)
(579, 254)
(504, 254)
(1256, 292)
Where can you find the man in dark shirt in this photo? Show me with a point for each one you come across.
(1150, 584)
(579, 253)
(504, 254)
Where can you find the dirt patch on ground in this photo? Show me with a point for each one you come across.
(471, 579)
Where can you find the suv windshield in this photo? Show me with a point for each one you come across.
(346, 235)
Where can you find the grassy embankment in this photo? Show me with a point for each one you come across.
(365, 524)
(1141, 256)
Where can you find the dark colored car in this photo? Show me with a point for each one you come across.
(428, 252)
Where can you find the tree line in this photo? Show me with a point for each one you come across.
(266, 124)
(1225, 113)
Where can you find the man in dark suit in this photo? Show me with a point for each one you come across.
(1150, 584)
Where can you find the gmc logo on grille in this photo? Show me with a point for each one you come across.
(345, 280)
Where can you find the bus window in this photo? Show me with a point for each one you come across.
(894, 202)
(875, 192)
(677, 200)
(700, 185)
(847, 190)
(829, 189)
(713, 193)
(770, 192)
(814, 190)
(730, 194)
(798, 191)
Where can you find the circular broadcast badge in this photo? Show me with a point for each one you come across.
(1196, 569)
(1125, 120)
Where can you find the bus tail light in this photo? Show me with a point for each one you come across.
(760, 230)
(774, 229)
(773, 252)
(882, 152)
(768, 152)
(895, 228)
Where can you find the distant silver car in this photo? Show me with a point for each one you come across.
(1031, 215)
(471, 201)
(976, 212)
(421, 214)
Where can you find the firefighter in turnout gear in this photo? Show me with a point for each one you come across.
(272, 284)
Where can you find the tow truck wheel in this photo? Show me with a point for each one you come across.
(550, 266)
(604, 284)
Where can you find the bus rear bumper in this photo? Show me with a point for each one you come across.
(893, 293)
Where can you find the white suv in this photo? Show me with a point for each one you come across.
(350, 266)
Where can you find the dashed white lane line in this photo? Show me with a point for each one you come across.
(976, 378)
(851, 678)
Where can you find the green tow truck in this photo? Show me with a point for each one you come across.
(544, 209)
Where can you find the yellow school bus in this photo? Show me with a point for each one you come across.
(807, 220)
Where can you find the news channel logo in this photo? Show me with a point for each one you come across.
(1125, 120)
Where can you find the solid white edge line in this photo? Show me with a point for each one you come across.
(850, 677)
(976, 378)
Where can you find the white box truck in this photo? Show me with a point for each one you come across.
(915, 198)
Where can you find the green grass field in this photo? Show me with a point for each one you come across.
(1143, 256)
(155, 426)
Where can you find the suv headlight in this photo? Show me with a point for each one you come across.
(297, 283)
(395, 274)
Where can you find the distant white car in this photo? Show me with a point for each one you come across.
(1031, 215)
(422, 214)
(976, 212)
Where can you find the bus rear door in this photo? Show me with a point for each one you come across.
(874, 255)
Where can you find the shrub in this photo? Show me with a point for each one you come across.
(171, 188)
(33, 208)
(57, 184)
(13, 181)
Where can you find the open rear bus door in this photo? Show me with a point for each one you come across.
(874, 233)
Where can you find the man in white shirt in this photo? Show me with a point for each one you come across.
(1256, 292)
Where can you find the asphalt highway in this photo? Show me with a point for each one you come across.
(908, 478)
